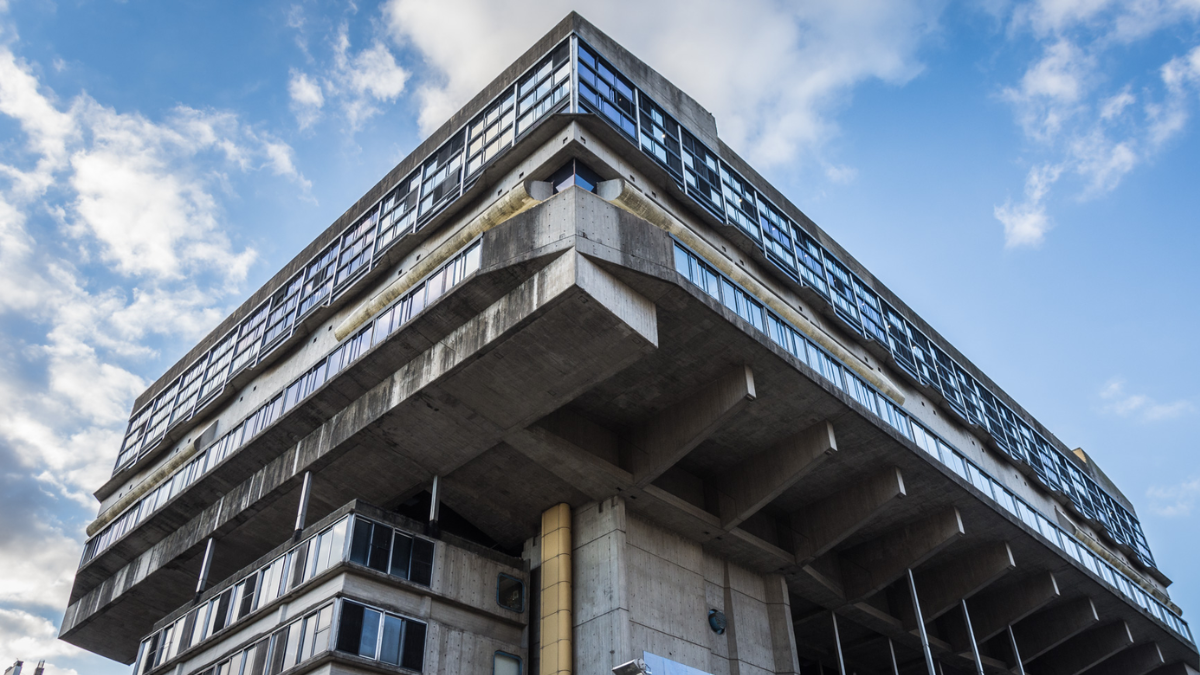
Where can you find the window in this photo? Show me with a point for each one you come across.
(603, 90)
(576, 173)
(490, 132)
(506, 664)
(544, 87)
(510, 593)
(660, 136)
(380, 636)
(740, 206)
(398, 212)
(386, 549)
(356, 249)
(702, 176)
(441, 176)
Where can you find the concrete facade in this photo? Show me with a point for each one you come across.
(607, 403)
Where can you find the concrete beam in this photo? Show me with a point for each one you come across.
(869, 567)
(1086, 650)
(1138, 660)
(657, 444)
(825, 524)
(759, 480)
(993, 610)
(942, 587)
(1051, 627)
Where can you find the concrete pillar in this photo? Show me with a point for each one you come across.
(556, 622)
(779, 618)
(825, 524)
(657, 444)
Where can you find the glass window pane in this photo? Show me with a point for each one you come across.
(506, 664)
(393, 629)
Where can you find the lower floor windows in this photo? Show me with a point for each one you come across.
(379, 636)
(506, 664)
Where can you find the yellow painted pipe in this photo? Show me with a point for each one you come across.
(556, 614)
(624, 195)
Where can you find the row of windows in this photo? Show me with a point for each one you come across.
(386, 323)
(258, 589)
(438, 182)
(381, 636)
(733, 199)
(371, 544)
(783, 334)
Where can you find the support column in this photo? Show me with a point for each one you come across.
(435, 500)
(1016, 651)
(209, 548)
(302, 509)
(916, 602)
(971, 636)
(837, 642)
(892, 653)
(556, 623)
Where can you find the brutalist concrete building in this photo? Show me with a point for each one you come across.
(573, 389)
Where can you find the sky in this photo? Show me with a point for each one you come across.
(1024, 174)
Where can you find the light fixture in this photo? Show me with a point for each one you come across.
(634, 667)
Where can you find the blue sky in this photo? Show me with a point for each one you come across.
(1023, 174)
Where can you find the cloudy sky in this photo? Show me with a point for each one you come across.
(1024, 174)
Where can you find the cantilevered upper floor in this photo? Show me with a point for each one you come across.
(526, 307)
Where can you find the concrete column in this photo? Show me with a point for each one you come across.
(556, 623)
(779, 617)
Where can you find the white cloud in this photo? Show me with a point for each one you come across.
(307, 99)
(772, 73)
(1076, 119)
(1026, 223)
(358, 83)
(1118, 401)
(1175, 500)
(33, 638)
(113, 241)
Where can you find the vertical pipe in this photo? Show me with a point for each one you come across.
(892, 652)
(205, 566)
(912, 590)
(837, 641)
(556, 620)
(1012, 642)
(574, 73)
(971, 636)
(302, 510)
(431, 527)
